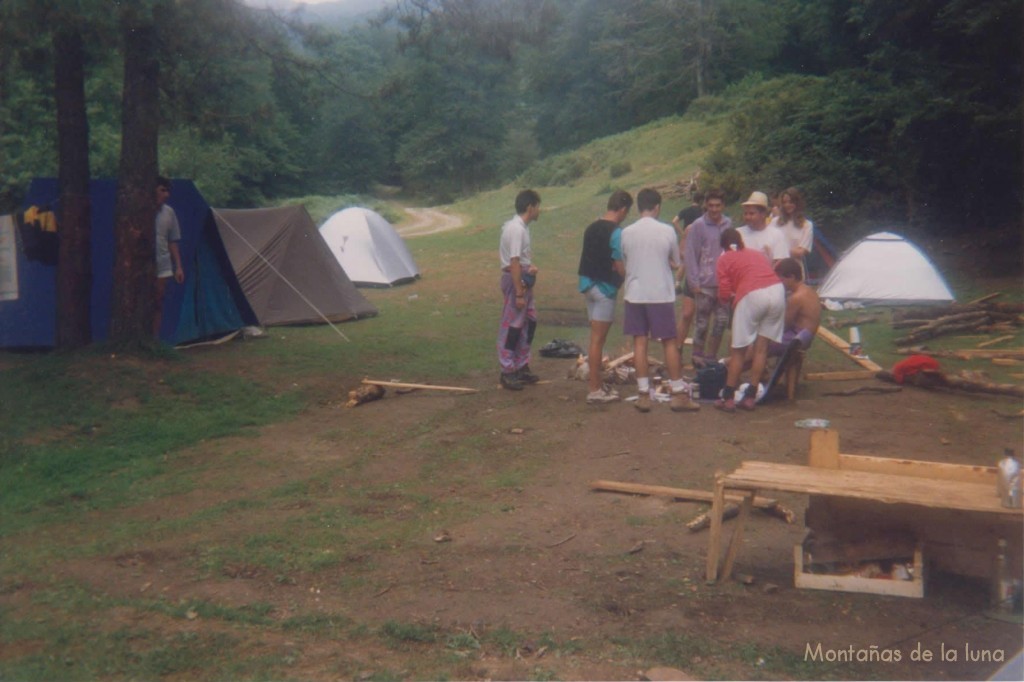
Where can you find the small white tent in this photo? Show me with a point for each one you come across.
(369, 250)
(884, 268)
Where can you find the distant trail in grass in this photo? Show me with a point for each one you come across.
(428, 221)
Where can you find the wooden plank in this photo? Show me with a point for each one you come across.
(737, 536)
(833, 339)
(715, 536)
(989, 297)
(824, 450)
(836, 342)
(398, 384)
(992, 342)
(989, 352)
(619, 360)
(966, 473)
(886, 488)
(850, 375)
(676, 493)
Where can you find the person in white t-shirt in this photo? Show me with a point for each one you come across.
(650, 254)
(795, 226)
(518, 314)
(758, 234)
(168, 252)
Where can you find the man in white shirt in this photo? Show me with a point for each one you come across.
(518, 274)
(650, 254)
(758, 234)
(168, 253)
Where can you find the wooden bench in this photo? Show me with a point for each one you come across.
(880, 480)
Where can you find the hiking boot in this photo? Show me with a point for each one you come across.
(526, 376)
(682, 402)
(511, 382)
(746, 404)
(726, 405)
(601, 396)
(643, 402)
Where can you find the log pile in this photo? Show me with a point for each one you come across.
(984, 316)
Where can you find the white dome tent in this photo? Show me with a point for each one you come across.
(368, 248)
(885, 269)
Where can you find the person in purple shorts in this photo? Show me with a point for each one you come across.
(650, 254)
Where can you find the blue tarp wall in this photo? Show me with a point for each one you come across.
(210, 302)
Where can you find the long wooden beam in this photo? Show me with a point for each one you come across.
(675, 493)
(836, 342)
(852, 375)
(398, 384)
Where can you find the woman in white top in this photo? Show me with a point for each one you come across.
(794, 224)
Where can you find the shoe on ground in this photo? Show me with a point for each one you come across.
(511, 382)
(682, 402)
(726, 405)
(601, 396)
(526, 376)
(643, 402)
(609, 389)
(746, 404)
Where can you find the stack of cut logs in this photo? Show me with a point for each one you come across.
(982, 316)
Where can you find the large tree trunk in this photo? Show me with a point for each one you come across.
(74, 267)
(134, 286)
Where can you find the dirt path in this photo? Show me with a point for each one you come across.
(426, 221)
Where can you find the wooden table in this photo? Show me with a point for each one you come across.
(885, 488)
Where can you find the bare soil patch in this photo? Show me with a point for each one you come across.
(541, 553)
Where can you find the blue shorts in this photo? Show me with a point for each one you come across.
(657, 320)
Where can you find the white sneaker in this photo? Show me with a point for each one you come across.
(602, 396)
(607, 388)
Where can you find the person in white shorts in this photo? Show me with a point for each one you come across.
(746, 278)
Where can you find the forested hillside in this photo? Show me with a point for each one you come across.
(906, 111)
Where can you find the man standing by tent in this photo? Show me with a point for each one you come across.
(601, 272)
(518, 274)
(168, 255)
(650, 253)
